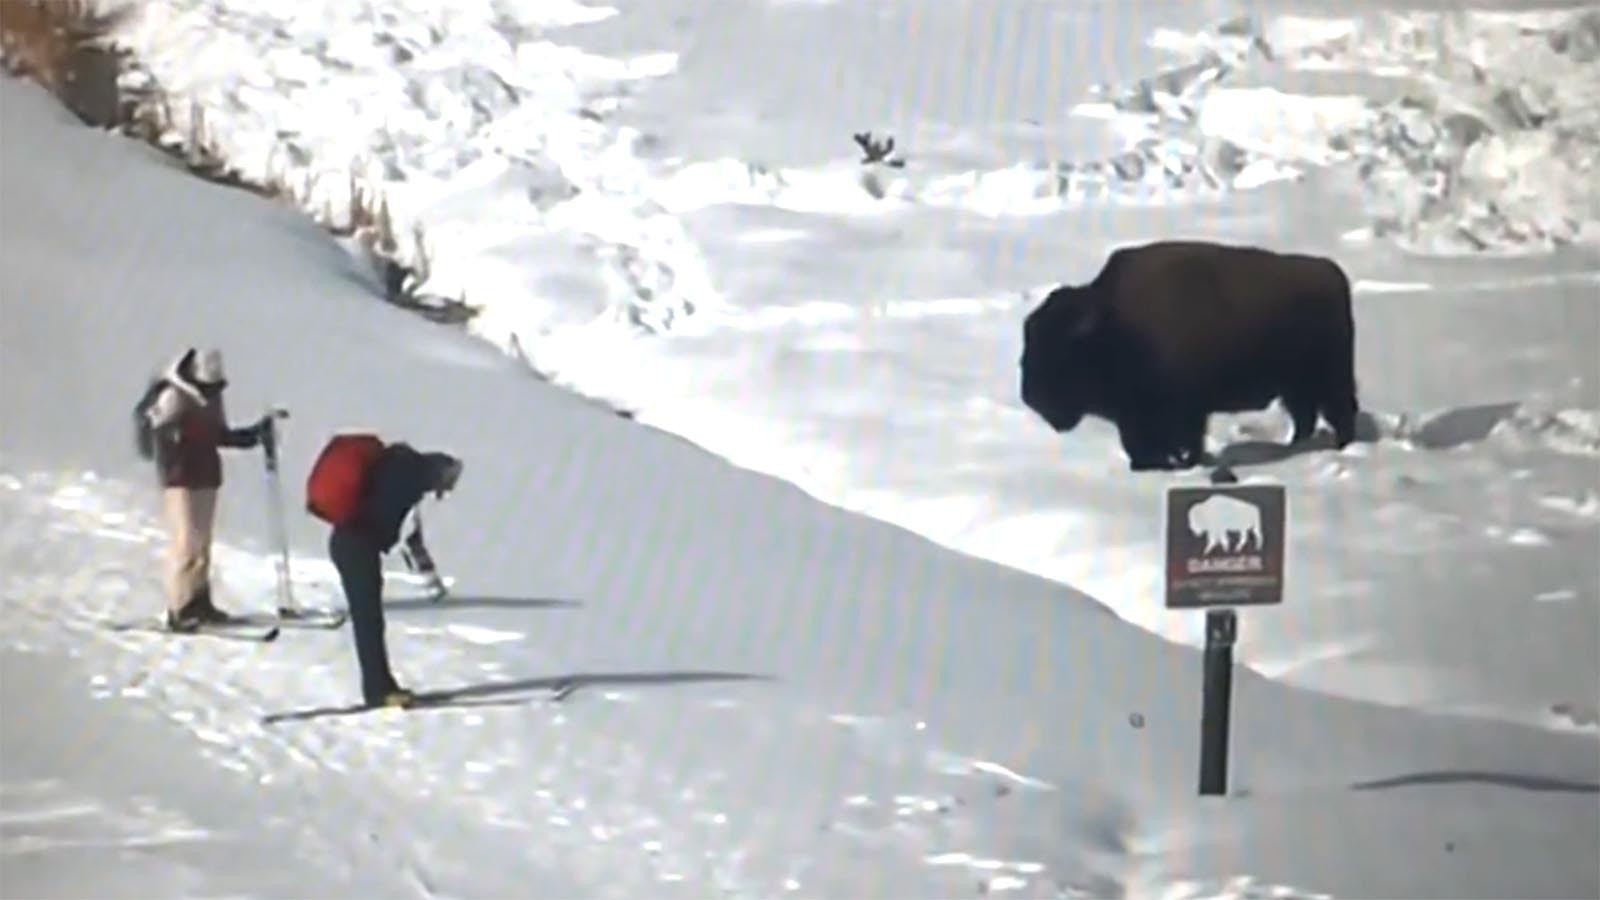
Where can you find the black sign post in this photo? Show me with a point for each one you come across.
(1216, 701)
(1225, 548)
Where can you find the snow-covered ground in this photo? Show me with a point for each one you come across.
(661, 207)
(73, 823)
(777, 697)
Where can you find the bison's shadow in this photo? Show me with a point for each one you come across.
(1261, 452)
(1458, 427)
(1446, 430)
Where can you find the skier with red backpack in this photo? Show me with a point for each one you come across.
(367, 489)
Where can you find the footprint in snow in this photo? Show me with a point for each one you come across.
(1576, 715)
(1585, 505)
(474, 634)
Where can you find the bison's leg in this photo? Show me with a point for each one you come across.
(1343, 419)
(1339, 404)
(1340, 411)
(1189, 438)
(1142, 443)
(1302, 407)
(1148, 463)
(1162, 440)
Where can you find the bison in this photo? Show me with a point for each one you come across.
(1170, 332)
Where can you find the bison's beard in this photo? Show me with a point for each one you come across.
(1062, 422)
(1059, 413)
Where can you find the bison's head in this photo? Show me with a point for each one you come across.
(1060, 370)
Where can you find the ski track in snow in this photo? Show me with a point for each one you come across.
(137, 822)
(570, 789)
(218, 692)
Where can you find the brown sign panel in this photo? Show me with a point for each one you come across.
(1225, 545)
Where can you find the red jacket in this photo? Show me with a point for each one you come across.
(189, 429)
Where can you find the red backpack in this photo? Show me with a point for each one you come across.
(338, 478)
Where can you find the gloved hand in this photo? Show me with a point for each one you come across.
(415, 552)
(433, 587)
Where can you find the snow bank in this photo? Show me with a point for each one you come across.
(423, 106)
(420, 104)
(493, 146)
(1490, 147)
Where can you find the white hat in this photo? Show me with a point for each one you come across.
(208, 368)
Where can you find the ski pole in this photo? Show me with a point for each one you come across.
(269, 443)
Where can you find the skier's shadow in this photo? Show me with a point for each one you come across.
(470, 601)
(519, 692)
(1499, 779)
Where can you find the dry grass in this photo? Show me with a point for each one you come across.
(59, 44)
(62, 45)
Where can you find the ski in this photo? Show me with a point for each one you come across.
(261, 634)
(421, 703)
(301, 621)
(421, 582)
(424, 701)
(297, 617)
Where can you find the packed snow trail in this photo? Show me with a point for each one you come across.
(593, 796)
(584, 798)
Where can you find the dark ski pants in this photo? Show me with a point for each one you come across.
(360, 566)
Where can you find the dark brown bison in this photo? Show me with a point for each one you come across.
(1169, 332)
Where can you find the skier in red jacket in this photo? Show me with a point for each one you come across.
(399, 478)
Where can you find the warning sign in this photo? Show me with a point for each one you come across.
(1225, 545)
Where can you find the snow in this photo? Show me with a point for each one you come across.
(73, 825)
(644, 222)
(641, 224)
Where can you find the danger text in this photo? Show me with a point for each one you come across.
(1230, 564)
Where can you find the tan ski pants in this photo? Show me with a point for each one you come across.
(190, 515)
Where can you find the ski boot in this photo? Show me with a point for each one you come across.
(207, 611)
(197, 612)
(395, 697)
(399, 698)
(184, 621)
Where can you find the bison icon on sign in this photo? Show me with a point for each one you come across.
(1225, 523)
(1225, 545)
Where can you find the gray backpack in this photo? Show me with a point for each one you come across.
(144, 437)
